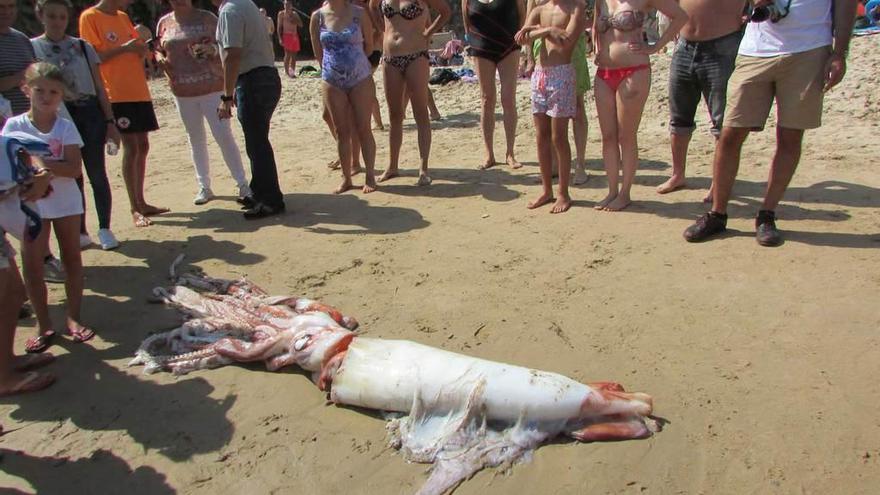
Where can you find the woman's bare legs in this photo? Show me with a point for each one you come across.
(606, 108)
(486, 77)
(417, 83)
(580, 141)
(377, 113)
(336, 102)
(395, 92)
(67, 232)
(631, 97)
(355, 166)
(432, 107)
(332, 164)
(508, 72)
(361, 98)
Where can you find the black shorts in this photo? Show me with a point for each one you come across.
(135, 116)
(375, 58)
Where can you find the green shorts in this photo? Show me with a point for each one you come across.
(578, 60)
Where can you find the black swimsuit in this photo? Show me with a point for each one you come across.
(493, 26)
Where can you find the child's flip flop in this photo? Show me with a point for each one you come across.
(80, 335)
(39, 343)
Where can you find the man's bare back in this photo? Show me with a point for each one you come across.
(288, 22)
(710, 19)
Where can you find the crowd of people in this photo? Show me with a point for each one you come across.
(89, 95)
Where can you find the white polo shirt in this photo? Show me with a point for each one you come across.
(807, 26)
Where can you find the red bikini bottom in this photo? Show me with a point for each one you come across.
(613, 77)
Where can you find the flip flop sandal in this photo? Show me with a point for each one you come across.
(34, 361)
(82, 335)
(39, 343)
(32, 382)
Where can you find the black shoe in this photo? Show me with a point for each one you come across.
(705, 227)
(246, 202)
(262, 210)
(766, 232)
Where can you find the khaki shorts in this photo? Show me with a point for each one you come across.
(795, 81)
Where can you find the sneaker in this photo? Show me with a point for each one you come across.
(107, 239)
(706, 226)
(53, 271)
(262, 210)
(85, 240)
(766, 232)
(203, 196)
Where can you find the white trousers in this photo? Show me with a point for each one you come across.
(194, 111)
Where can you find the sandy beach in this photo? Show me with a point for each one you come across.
(763, 361)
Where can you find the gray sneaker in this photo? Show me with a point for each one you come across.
(204, 195)
(53, 271)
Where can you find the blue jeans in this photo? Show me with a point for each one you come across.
(700, 68)
(256, 94)
(90, 122)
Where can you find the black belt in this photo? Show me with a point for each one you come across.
(712, 41)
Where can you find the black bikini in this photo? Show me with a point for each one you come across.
(411, 11)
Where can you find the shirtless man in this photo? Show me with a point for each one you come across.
(701, 65)
(288, 36)
(559, 23)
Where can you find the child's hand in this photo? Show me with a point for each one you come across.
(522, 36)
(38, 186)
(557, 34)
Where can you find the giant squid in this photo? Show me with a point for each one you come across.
(456, 412)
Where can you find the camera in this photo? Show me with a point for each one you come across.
(772, 12)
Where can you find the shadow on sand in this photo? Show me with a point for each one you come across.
(102, 472)
(349, 212)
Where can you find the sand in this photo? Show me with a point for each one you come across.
(763, 361)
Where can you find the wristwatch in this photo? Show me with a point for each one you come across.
(226, 99)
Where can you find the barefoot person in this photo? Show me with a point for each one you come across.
(623, 82)
(107, 27)
(187, 52)
(406, 71)
(491, 26)
(701, 65)
(251, 83)
(87, 105)
(582, 82)
(558, 23)
(288, 36)
(62, 209)
(16, 372)
(793, 57)
(342, 36)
